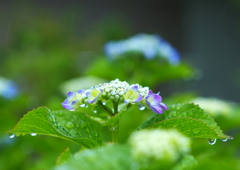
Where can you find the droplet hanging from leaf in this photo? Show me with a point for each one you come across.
(212, 141)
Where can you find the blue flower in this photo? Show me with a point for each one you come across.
(150, 46)
(8, 89)
(168, 52)
(132, 95)
(154, 101)
(93, 94)
(74, 100)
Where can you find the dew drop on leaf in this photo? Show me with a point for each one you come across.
(69, 125)
(141, 107)
(82, 124)
(174, 113)
(33, 134)
(212, 141)
(71, 109)
(190, 114)
(196, 131)
(111, 128)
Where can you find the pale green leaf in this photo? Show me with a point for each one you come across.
(63, 157)
(110, 157)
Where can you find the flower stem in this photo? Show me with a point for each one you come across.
(115, 131)
(115, 127)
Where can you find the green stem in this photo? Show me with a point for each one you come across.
(115, 128)
(115, 107)
(115, 131)
(106, 109)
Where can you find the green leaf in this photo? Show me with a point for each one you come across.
(63, 157)
(189, 119)
(114, 157)
(70, 125)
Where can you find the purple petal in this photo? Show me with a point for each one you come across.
(164, 106)
(69, 105)
(70, 94)
(154, 102)
(82, 91)
(157, 109)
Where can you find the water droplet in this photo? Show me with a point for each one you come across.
(104, 103)
(224, 140)
(82, 105)
(196, 131)
(212, 141)
(94, 111)
(69, 125)
(174, 113)
(141, 107)
(111, 128)
(71, 109)
(33, 134)
(11, 135)
(82, 124)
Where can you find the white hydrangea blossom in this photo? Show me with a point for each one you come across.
(115, 89)
(158, 144)
(214, 106)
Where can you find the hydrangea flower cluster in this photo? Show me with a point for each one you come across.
(117, 91)
(158, 145)
(215, 107)
(8, 89)
(150, 46)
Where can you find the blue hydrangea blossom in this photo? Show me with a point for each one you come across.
(117, 91)
(8, 89)
(151, 46)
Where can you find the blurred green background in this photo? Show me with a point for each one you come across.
(48, 46)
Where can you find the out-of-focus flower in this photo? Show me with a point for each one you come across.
(215, 107)
(154, 101)
(150, 46)
(158, 145)
(83, 82)
(8, 89)
(117, 91)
